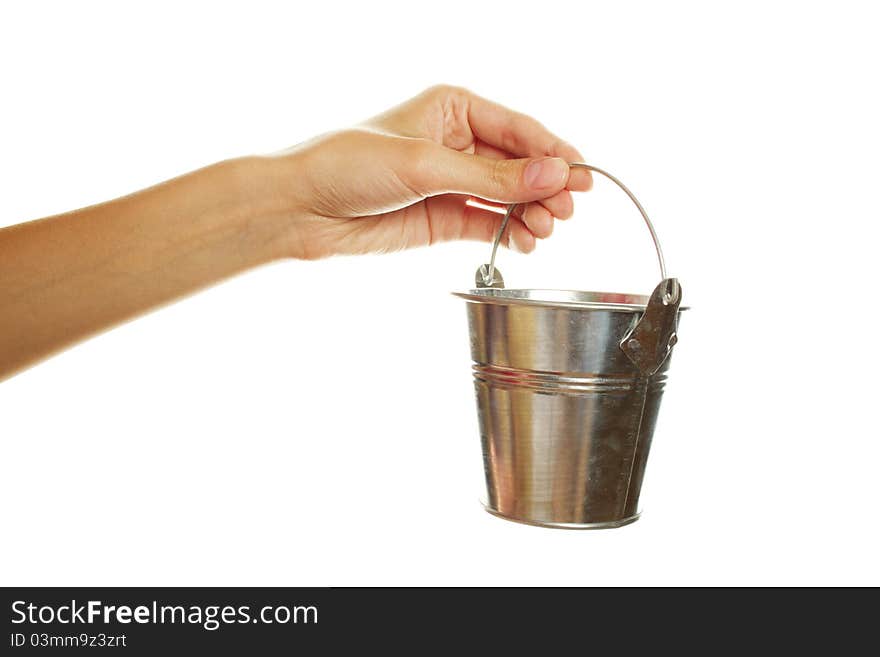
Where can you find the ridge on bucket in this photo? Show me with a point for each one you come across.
(568, 387)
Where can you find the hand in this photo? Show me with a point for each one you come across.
(402, 179)
(405, 178)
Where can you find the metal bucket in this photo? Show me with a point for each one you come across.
(568, 388)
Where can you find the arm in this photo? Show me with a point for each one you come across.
(67, 277)
(401, 180)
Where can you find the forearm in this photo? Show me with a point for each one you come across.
(67, 277)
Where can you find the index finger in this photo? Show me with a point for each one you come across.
(522, 136)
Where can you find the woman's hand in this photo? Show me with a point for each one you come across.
(404, 178)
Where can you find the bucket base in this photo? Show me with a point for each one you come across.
(610, 524)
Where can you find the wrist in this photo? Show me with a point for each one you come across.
(265, 205)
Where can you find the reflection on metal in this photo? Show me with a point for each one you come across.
(568, 388)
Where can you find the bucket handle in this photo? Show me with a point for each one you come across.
(650, 341)
(489, 276)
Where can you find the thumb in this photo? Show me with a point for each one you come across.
(444, 170)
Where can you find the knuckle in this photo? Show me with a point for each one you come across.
(446, 90)
(437, 91)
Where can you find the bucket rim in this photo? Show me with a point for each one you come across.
(556, 298)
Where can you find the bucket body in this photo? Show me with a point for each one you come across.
(566, 417)
(568, 389)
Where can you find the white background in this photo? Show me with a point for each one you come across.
(313, 423)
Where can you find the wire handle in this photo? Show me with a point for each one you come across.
(489, 276)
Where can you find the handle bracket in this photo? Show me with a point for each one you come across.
(651, 340)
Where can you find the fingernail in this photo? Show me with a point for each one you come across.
(547, 173)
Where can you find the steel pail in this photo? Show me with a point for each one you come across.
(568, 387)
